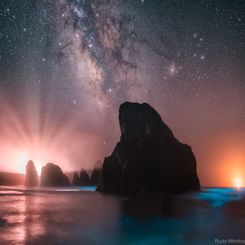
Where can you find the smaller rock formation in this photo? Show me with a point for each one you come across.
(75, 179)
(96, 177)
(84, 178)
(52, 175)
(96, 174)
(31, 178)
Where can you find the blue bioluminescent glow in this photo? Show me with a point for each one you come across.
(217, 197)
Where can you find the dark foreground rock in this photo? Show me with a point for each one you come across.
(148, 158)
(31, 178)
(52, 175)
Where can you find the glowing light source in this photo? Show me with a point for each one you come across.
(21, 161)
(38, 164)
(238, 183)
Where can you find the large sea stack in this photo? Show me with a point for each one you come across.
(52, 175)
(148, 157)
(31, 178)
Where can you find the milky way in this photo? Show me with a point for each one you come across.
(66, 66)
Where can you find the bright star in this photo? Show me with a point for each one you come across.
(172, 69)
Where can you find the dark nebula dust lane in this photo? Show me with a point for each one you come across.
(66, 66)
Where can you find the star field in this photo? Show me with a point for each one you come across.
(66, 66)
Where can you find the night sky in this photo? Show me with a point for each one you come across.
(67, 65)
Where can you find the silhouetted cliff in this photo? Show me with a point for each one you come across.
(148, 157)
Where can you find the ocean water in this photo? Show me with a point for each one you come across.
(83, 216)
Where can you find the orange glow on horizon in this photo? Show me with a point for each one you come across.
(21, 160)
(221, 160)
(25, 135)
(238, 182)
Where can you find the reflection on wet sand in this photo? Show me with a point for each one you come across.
(48, 218)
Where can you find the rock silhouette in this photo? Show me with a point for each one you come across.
(31, 178)
(75, 179)
(52, 175)
(96, 177)
(96, 174)
(148, 157)
(84, 178)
